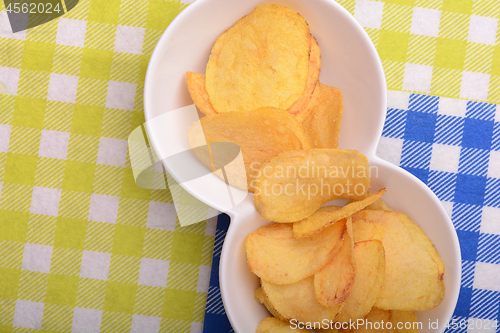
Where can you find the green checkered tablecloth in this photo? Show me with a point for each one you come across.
(82, 248)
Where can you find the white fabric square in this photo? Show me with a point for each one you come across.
(196, 327)
(112, 152)
(45, 201)
(445, 158)
(86, 320)
(153, 272)
(161, 216)
(10, 78)
(71, 32)
(121, 95)
(417, 77)
(452, 106)
(369, 13)
(4, 138)
(482, 29)
(486, 276)
(129, 39)
(145, 324)
(103, 208)
(203, 279)
(28, 314)
(448, 206)
(494, 165)
(474, 85)
(398, 99)
(425, 21)
(37, 258)
(480, 325)
(62, 88)
(390, 149)
(490, 220)
(95, 265)
(54, 144)
(6, 29)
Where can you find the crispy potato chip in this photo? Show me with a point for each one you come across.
(378, 205)
(262, 60)
(414, 270)
(322, 121)
(276, 256)
(298, 301)
(196, 87)
(364, 231)
(262, 299)
(328, 215)
(405, 321)
(373, 322)
(261, 135)
(293, 185)
(273, 325)
(332, 284)
(369, 276)
(299, 108)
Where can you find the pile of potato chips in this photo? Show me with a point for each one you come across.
(317, 264)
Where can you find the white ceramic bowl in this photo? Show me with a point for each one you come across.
(349, 62)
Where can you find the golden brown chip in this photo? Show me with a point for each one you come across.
(414, 270)
(260, 134)
(376, 322)
(325, 216)
(405, 321)
(196, 87)
(262, 299)
(369, 271)
(333, 282)
(322, 121)
(275, 255)
(273, 325)
(298, 301)
(293, 185)
(378, 205)
(299, 108)
(262, 60)
(363, 231)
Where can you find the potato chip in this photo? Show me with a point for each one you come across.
(332, 284)
(276, 256)
(363, 231)
(414, 270)
(369, 271)
(273, 325)
(299, 108)
(376, 322)
(298, 301)
(293, 185)
(196, 87)
(378, 205)
(328, 215)
(262, 60)
(262, 299)
(260, 134)
(405, 321)
(322, 121)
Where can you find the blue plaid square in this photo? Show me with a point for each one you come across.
(470, 189)
(479, 110)
(495, 142)
(474, 161)
(442, 184)
(468, 244)
(394, 126)
(422, 174)
(468, 268)
(420, 126)
(416, 154)
(449, 130)
(489, 248)
(477, 134)
(466, 217)
(463, 304)
(484, 304)
(423, 103)
(492, 197)
(457, 324)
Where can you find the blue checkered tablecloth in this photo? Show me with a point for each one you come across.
(453, 146)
